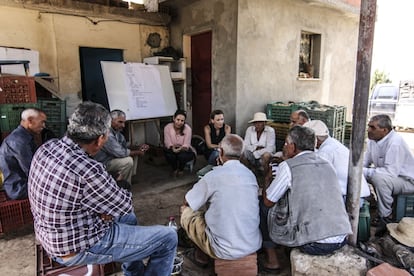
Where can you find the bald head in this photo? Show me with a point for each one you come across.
(232, 145)
(33, 120)
(298, 118)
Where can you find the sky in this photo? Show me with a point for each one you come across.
(393, 51)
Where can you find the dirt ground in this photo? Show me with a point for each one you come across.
(156, 197)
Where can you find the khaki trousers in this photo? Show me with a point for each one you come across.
(194, 224)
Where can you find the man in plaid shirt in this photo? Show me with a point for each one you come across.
(80, 214)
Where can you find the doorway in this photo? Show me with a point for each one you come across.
(93, 86)
(201, 80)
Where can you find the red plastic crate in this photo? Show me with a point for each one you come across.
(15, 214)
(17, 89)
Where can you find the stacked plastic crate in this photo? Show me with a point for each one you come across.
(333, 116)
(56, 115)
(279, 113)
(19, 93)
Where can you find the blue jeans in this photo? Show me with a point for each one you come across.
(264, 228)
(212, 159)
(129, 243)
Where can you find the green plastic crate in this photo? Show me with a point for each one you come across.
(337, 133)
(54, 109)
(10, 115)
(405, 206)
(332, 116)
(280, 112)
(58, 128)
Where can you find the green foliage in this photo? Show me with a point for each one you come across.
(379, 77)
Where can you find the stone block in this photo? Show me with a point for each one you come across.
(344, 262)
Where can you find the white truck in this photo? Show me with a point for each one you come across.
(404, 112)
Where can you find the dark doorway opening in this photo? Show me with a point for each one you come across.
(93, 86)
(201, 80)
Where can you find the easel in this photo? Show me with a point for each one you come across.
(134, 125)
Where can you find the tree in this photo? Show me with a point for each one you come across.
(379, 77)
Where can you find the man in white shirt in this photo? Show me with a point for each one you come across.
(388, 165)
(336, 153)
(229, 228)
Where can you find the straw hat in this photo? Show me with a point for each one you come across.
(259, 117)
(403, 231)
(318, 127)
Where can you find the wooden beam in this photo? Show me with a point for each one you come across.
(359, 113)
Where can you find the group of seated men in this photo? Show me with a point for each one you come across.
(68, 190)
(303, 206)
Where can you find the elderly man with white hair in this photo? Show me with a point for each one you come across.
(336, 153)
(16, 152)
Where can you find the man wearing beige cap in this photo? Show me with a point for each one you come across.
(259, 143)
(336, 153)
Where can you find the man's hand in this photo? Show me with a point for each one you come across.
(182, 207)
(106, 218)
(142, 149)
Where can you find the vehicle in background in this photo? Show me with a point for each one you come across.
(404, 114)
(383, 100)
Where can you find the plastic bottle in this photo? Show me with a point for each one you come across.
(172, 223)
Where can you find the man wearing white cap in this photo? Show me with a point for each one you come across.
(336, 153)
(259, 142)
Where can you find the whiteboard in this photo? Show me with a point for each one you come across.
(142, 91)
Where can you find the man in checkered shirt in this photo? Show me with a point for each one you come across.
(80, 214)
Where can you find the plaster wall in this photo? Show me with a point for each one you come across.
(256, 52)
(58, 38)
(268, 55)
(220, 17)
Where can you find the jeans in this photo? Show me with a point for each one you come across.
(264, 228)
(129, 243)
(212, 159)
(178, 160)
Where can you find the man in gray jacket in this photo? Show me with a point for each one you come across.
(305, 204)
(120, 161)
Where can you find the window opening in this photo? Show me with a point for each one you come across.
(309, 55)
